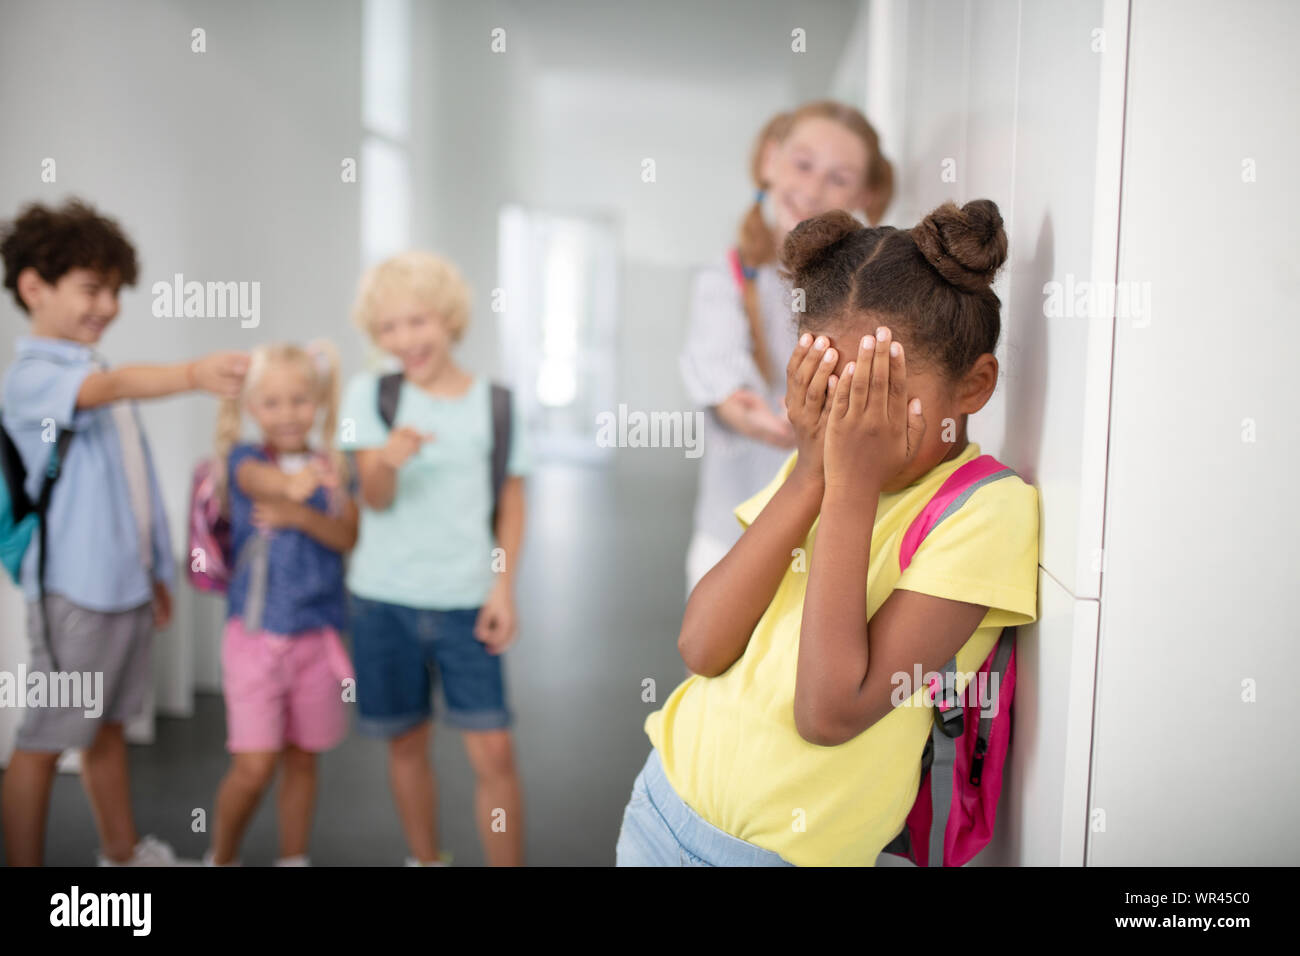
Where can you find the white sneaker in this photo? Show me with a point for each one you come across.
(150, 851)
(209, 860)
(300, 860)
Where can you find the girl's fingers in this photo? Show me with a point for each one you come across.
(808, 363)
(879, 397)
(897, 383)
(915, 426)
(843, 391)
(862, 373)
(803, 368)
(797, 356)
(817, 386)
(811, 363)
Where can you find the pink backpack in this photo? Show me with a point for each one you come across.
(209, 533)
(981, 741)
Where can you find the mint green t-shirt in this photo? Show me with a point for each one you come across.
(432, 547)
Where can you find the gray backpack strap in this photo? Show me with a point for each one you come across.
(942, 763)
(390, 389)
(501, 433)
(1001, 655)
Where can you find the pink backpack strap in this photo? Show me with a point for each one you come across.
(737, 270)
(954, 492)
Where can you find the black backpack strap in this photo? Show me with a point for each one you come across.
(949, 710)
(15, 478)
(501, 434)
(53, 469)
(390, 390)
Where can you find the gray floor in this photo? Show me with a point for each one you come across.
(600, 602)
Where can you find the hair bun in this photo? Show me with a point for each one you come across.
(810, 241)
(966, 246)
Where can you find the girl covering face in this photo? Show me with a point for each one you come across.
(790, 742)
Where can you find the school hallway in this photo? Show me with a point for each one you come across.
(600, 602)
(597, 174)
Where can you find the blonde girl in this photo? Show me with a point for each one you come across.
(822, 156)
(282, 660)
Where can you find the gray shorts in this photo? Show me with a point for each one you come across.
(105, 671)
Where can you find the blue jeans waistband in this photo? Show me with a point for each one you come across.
(697, 835)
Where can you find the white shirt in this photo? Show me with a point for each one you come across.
(718, 359)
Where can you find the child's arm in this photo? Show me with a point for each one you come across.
(263, 481)
(495, 625)
(727, 603)
(336, 533)
(377, 467)
(221, 373)
(510, 526)
(846, 664)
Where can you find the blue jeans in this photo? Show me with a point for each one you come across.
(399, 652)
(661, 830)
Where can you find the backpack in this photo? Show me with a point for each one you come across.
(209, 533)
(390, 390)
(979, 742)
(20, 517)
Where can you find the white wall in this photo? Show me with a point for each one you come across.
(1194, 752)
(221, 165)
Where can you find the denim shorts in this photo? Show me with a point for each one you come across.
(399, 653)
(659, 829)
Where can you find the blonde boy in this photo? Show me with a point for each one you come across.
(431, 582)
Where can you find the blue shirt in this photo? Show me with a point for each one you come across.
(432, 547)
(304, 582)
(94, 545)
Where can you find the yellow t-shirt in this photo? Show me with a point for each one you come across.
(729, 745)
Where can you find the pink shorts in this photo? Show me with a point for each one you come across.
(283, 690)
